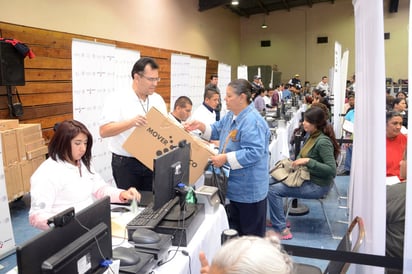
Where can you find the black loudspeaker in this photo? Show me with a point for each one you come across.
(11, 66)
(393, 5)
(265, 43)
(322, 40)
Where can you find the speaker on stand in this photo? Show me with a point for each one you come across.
(11, 66)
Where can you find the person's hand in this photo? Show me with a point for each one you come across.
(218, 160)
(203, 263)
(300, 162)
(130, 194)
(193, 125)
(139, 121)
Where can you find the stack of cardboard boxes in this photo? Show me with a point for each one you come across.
(24, 150)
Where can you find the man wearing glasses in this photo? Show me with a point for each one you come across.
(122, 112)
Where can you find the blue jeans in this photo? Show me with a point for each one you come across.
(348, 159)
(278, 191)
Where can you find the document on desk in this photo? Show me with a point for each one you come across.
(119, 221)
(391, 180)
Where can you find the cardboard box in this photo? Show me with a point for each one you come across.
(160, 134)
(25, 134)
(37, 152)
(9, 145)
(9, 124)
(36, 162)
(26, 169)
(33, 145)
(28, 129)
(14, 185)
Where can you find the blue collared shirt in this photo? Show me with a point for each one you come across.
(247, 152)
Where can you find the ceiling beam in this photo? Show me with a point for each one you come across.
(286, 5)
(263, 7)
(210, 4)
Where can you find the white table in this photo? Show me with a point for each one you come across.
(206, 239)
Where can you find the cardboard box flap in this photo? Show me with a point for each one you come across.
(160, 135)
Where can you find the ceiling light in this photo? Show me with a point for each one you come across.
(235, 3)
(264, 26)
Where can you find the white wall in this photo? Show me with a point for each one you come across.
(175, 25)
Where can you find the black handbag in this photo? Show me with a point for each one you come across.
(16, 109)
(219, 179)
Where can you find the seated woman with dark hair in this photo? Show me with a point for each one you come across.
(318, 154)
(67, 178)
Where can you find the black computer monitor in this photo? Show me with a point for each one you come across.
(169, 170)
(79, 245)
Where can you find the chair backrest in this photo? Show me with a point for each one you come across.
(345, 244)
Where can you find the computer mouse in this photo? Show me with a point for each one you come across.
(120, 209)
(145, 236)
(126, 255)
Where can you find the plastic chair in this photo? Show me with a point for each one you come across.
(335, 267)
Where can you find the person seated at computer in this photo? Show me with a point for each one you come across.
(67, 178)
(243, 147)
(182, 109)
(395, 143)
(318, 154)
(248, 254)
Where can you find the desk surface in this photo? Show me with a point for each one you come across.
(206, 239)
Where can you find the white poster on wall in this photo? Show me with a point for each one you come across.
(98, 70)
(187, 77)
(224, 72)
(197, 80)
(179, 77)
(242, 72)
(7, 243)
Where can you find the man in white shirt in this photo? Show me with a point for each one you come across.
(323, 85)
(122, 113)
(206, 111)
(181, 109)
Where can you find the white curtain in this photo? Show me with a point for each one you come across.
(407, 261)
(367, 188)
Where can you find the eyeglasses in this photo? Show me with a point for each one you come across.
(151, 79)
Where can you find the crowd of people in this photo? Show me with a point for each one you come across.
(236, 126)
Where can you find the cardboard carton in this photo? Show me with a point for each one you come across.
(14, 185)
(9, 124)
(9, 145)
(159, 136)
(26, 168)
(36, 152)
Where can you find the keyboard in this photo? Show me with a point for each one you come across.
(150, 218)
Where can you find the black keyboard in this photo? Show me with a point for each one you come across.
(150, 218)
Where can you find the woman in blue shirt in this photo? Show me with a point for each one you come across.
(244, 147)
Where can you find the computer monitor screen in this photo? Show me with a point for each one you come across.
(79, 246)
(169, 170)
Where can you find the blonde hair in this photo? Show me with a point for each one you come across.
(253, 255)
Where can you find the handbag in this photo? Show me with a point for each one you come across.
(290, 176)
(216, 176)
(16, 109)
